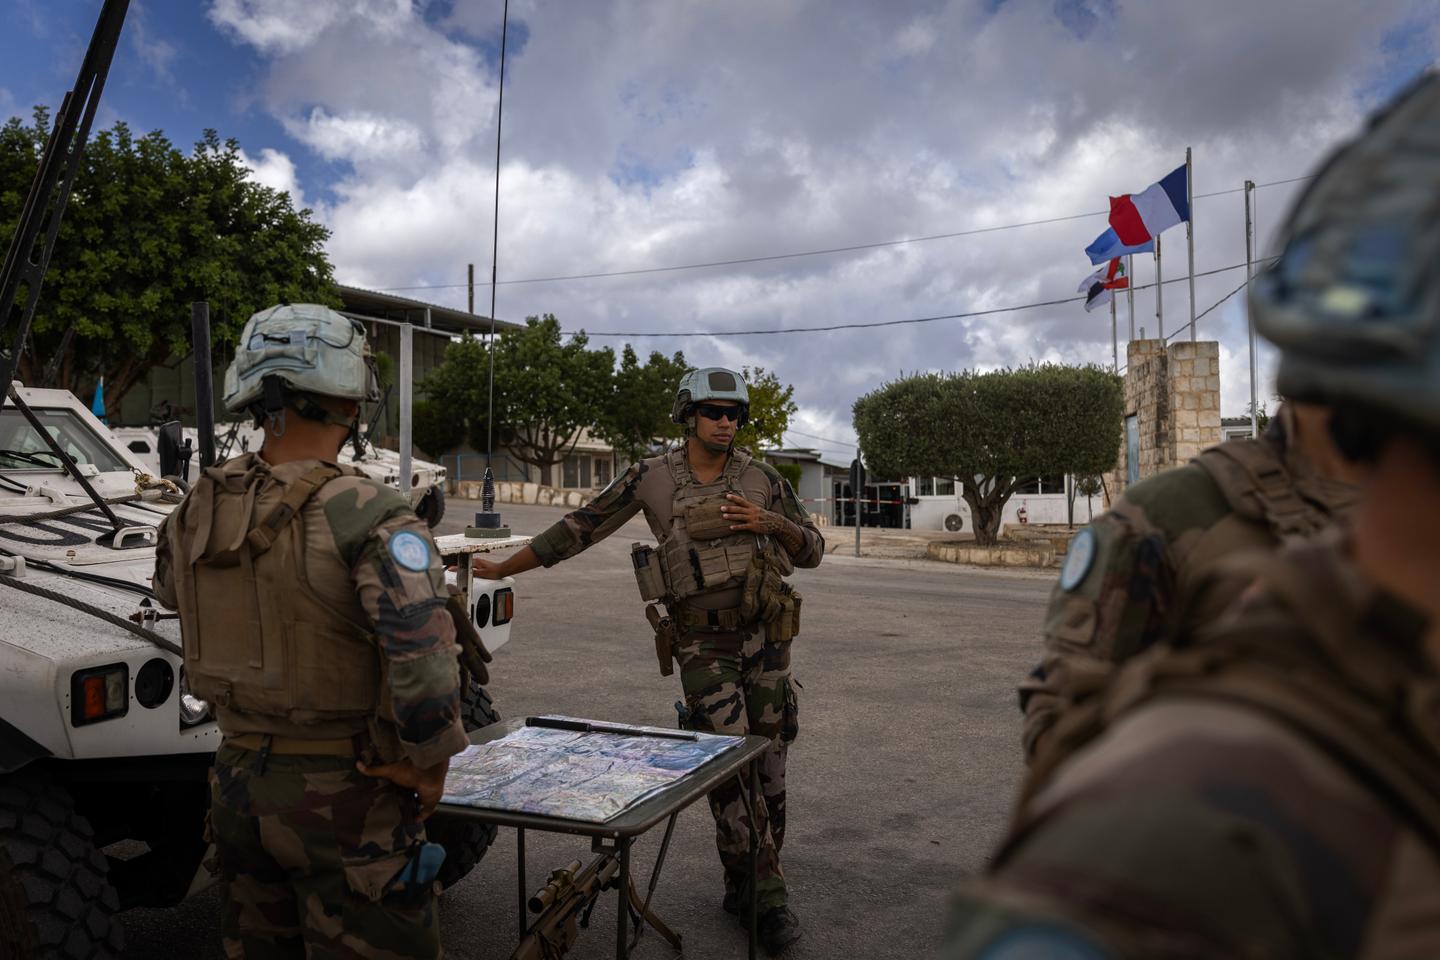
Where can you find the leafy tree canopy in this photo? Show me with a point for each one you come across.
(772, 404)
(548, 388)
(637, 412)
(148, 230)
(993, 431)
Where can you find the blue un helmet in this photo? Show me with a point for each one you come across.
(1353, 300)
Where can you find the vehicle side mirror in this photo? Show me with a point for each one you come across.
(175, 452)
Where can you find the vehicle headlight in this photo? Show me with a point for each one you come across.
(193, 710)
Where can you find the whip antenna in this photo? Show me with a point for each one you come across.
(487, 521)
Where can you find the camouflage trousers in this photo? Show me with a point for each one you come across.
(736, 683)
(309, 849)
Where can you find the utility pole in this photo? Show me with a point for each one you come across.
(1114, 339)
(1159, 292)
(1249, 273)
(1190, 233)
(471, 285)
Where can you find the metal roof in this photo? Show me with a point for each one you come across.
(377, 305)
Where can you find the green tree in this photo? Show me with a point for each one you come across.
(772, 404)
(994, 431)
(637, 412)
(148, 230)
(434, 430)
(547, 390)
(791, 472)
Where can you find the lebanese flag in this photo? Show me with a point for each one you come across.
(1141, 217)
(1099, 288)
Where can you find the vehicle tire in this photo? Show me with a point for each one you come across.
(954, 522)
(465, 840)
(56, 902)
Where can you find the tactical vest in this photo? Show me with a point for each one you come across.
(258, 637)
(1310, 660)
(700, 553)
(1255, 480)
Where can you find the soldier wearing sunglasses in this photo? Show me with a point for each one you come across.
(729, 530)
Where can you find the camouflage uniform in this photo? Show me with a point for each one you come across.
(735, 682)
(1146, 570)
(311, 851)
(1271, 791)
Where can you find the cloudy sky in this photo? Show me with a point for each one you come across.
(645, 134)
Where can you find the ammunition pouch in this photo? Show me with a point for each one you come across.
(473, 655)
(691, 567)
(665, 638)
(704, 521)
(648, 574)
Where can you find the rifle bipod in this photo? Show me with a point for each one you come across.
(567, 900)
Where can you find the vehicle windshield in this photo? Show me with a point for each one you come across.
(21, 448)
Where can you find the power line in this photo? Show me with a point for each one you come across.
(1212, 306)
(769, 258)
(879, 323)
(811, 436)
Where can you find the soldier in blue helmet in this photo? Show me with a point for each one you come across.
(729, 530)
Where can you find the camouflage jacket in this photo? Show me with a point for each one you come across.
(368, 561)
(650, 486)
(1143, 571)
(1272, 791)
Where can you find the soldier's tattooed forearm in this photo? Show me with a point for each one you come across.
(787, 531)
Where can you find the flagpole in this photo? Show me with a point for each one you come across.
(1114, 339)
(1130, 292)
(1190, 233)
(1159, 292)
(1249, 272)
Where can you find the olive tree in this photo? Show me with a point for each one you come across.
(149, 229)
(993, 431)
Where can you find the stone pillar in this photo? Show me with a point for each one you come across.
(1174, 394)
(1194, 399)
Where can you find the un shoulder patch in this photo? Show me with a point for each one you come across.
(1078, 559)
(410, 551)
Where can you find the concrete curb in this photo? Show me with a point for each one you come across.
(1036, 554)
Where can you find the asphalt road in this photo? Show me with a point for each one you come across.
(899, 784)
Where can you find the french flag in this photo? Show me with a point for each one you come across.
(1141, 217)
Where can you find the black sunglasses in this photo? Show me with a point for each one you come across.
(713, 411)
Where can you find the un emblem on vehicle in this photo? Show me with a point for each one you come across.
(410, 551)
(1078, 559)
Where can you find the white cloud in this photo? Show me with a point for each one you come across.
(283, 26)
(641, 134)
(277, 171)
(358, 137)
(155, 52)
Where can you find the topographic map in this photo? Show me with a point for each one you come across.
(585, 776)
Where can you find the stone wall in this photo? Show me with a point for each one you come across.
(1194, 399)
(1174, 394)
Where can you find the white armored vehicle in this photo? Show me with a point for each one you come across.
(103, 751)
(378, 463)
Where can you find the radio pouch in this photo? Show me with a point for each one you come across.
(647, 571)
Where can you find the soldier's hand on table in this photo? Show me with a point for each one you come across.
(428, 783)
(486, 569)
